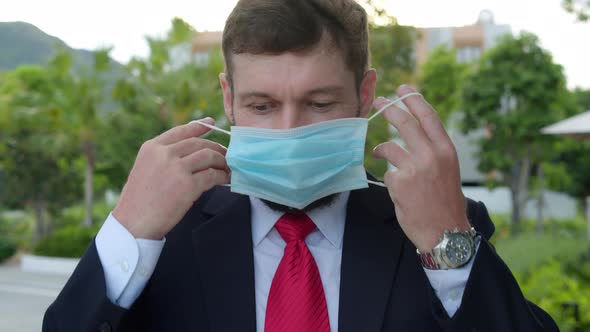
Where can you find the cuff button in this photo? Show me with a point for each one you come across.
(105, 327)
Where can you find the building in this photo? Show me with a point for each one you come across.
(470, 41)
(198, 52)
(204, 43)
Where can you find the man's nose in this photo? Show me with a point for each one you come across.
(291, 116)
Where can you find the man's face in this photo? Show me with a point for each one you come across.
(295, 89)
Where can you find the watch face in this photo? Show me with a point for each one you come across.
(458, 249)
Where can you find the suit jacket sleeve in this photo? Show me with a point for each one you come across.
(83, 304)
(492, 300)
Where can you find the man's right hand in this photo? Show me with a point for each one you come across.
(170, 173)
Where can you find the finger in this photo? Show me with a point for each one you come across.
(390, 178)
(203, 159)
(188, 146)
(393, 153)
(208, 178)
(426, 115)
(407, 125)
(179, 133)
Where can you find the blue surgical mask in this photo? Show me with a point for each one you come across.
(297, 166)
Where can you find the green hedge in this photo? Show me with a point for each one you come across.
(561, 227)
(553, 270)
(74, 215)
(70, 241)
(17, 227)
(557, 286)
(7, 248)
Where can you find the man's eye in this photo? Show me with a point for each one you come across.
(261, 108)
(321, 106)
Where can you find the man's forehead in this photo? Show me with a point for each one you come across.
(308, 70)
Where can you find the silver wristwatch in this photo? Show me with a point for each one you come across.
(455, 249)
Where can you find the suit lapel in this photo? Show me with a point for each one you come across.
(371, 251)
(223, 247)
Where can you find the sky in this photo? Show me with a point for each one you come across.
(123, 24)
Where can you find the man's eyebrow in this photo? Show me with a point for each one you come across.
(331, 89)
(251, 94)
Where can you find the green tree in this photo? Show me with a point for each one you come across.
(83, 94)
(582, 98)
(35, 152)
(168, 88)
(441, 81)
(580, 8)
(574, 159)
(392, 56)
(516, 90)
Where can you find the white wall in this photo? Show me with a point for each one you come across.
(557, 205)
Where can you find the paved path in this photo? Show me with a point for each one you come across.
(24, 297)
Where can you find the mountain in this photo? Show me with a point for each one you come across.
(22, 43)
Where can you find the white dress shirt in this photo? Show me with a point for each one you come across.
(128, 263)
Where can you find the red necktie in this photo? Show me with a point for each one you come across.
(296, 302)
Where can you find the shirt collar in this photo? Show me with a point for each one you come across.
(329, 220)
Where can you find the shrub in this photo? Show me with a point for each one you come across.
(553, 288)
(70, 241)
(7, 248)
(573, 227)
(18, 227)
(74, 215)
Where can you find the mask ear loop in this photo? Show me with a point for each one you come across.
(211, 127)
(395, 101)
(381, 110)
(214, 128)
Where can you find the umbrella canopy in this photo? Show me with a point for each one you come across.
(577, 126)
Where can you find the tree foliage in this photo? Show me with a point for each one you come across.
(83, 94)
(35, 152)
(574, 158)
(516, 90)
(392, 47)
(441, 81)
(580, 8)
(159, 92)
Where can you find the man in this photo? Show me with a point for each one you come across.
(182, 252)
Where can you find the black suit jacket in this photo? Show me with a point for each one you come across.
(204, 279)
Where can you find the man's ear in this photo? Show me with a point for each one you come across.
(367, 92)
(227, 96)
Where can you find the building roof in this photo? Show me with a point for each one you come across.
(578, 125)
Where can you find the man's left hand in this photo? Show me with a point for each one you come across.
(426, 187)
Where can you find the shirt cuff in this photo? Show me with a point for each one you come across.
(128, 263)
(449, 285)
(149, 253)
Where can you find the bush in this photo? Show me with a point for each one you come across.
(18, 227)
(553, 287)
(573, 227)
(7, 248)
(70, 241)
(74, 215)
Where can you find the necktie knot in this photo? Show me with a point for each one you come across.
(294, 226)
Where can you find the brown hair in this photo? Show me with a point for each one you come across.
(278, 26)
